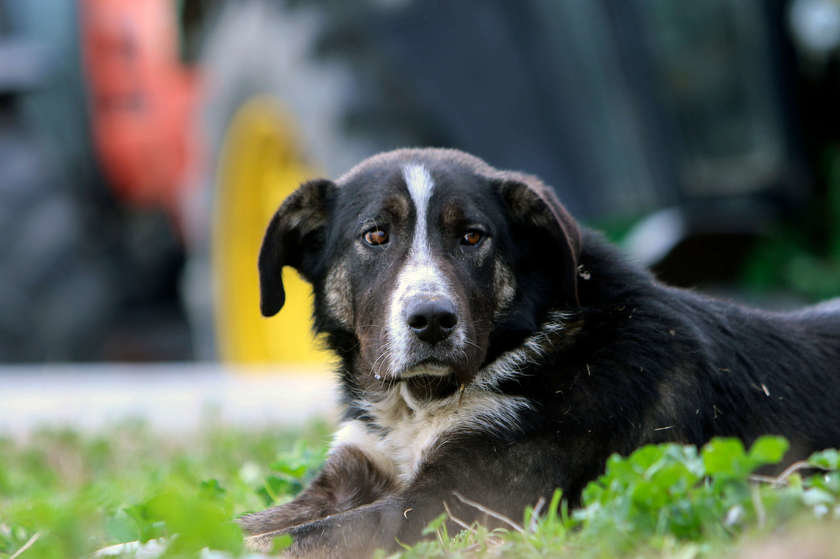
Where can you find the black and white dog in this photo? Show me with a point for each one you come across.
(491, 347)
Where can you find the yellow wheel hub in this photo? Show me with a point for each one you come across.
(260, 165)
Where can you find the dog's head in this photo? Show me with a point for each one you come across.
(426, 257)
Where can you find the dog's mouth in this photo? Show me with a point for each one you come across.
(438, 372)
(428, 368)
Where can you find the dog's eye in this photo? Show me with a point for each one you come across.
(376, 237)
(471, 237)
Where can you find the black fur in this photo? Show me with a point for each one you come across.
(636, 362)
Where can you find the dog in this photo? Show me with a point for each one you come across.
(492, 350)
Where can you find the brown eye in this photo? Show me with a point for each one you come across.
(471, 238)
(376, 237)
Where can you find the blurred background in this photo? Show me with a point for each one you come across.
(144, 145)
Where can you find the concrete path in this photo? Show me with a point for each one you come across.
(170, 397)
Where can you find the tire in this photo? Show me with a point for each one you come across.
(57, 293)
(262, 88)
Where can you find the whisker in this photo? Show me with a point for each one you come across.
(470, 342)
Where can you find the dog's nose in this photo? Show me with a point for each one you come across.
(431, 320)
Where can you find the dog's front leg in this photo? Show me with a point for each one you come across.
(349, 479)
(385, 524)
(356, 533)
(500, 477)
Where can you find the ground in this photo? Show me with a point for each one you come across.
(66, 493)
(213, 444)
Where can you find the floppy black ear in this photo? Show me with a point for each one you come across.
(535, 212)
(294, 237)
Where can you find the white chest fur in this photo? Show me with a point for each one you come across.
(412, 429)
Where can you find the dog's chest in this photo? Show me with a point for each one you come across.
(414, 429)
(405, 432)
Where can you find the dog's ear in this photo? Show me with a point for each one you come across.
(294, 237)
(535, 212)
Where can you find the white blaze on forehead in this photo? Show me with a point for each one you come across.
(420, 274)
(420, 186)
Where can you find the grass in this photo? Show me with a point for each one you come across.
(66, 495)
(81, 493)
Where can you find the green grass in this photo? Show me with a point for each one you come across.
(81, 493)
(66, 495)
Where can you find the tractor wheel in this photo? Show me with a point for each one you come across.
(57, 292)
(271, 120)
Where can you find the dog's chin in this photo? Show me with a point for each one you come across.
(430, 381)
